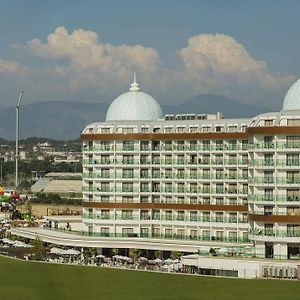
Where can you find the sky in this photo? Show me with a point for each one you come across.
(88, 50)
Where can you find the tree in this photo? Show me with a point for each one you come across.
(115, 251)
(176, 254)
(135, 253)
(158, 254)
(38, 248)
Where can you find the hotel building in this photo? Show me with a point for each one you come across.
(186, 181)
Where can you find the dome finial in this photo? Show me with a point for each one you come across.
(134, 85)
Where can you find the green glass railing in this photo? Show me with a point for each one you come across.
(156, 236)
(98, 149)
(165, 190)
(165, 218)
(277, 233)
(274, 145)
(274, 180)
(274, 163)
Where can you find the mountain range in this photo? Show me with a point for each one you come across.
(65, 120)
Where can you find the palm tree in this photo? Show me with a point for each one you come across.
(158, 254)
(134, 253)
(115, 251)
(38, 248)
(176, 254)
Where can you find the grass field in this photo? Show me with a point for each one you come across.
(30, 281)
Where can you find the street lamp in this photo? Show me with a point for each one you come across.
(17, 139)
(1, 169)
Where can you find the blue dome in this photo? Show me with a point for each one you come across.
(292, 97)
(134, 106)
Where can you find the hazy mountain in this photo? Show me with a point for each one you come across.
(212, 104)
(65, 120)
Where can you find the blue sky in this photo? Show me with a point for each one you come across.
(267, 30)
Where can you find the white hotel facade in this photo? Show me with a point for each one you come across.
(181, 182)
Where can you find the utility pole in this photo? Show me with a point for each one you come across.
(17, 141)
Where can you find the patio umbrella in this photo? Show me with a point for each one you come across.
(57, 251)
(169, 261)
(157, 261)
(71, 252)
(19, 244)
(143, 259)
(6, 241)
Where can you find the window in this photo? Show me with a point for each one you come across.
(293, 141)
(144, 232)
(206, 216)
(144, 199)
(268, 195)
(269, 229)
(268, 159)
(156, 232)
(168, 232)
(219, 144)
(180, 233)
(268, 210)
(244, 144)
(104, 231)
(206, 235)
(180, 215)
(293, 210)
(180, 145)
(219, 235)
(168, 129)
(219, 128)
(180, 129)
(156, 215)
(292, 159)
(232, 128)
(168, 145)
(145, 215)
(127, 199)
(105, 214)
(127, 187)
(127, 232)
(144, 173)
(127, 215)
(293, 195)
(205, 128)
(232, 235)
(268, 142)
(193, 129)
(219, 216)
(232, 217)
(193, 216)
(193, 234)
(144, 129)
(292, 177)
(105, 145)
(232, 144)
(269, 122)
(127, 173)
(268, 177)
(293, 122)
(145, 146)
(128, 159)
(127, 129)
(206, 145)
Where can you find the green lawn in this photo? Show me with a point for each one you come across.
(29, 281)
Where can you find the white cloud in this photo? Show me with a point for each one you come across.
(11, 67)
(211, 63)
(91, 62)
(219, 64)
